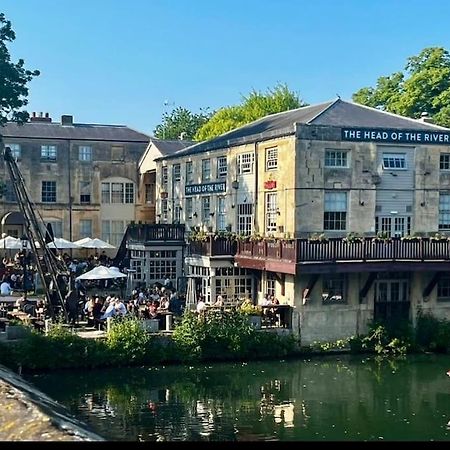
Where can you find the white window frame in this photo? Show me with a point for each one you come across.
(335, 210)
(336, 158)
(47, 191)
(272, 158)
(85, 153)
(444, 161)
(222, 167)
(164, 177)
(189, 207)
(189, 172)
(176, 172)
(396, 161)
(245, 163)
(444, 211)
(206, 208)
(16, 150)
(85, 228)
(49, 152)
(221, 214)
(271, 211)
(245, 219)
(206, 169)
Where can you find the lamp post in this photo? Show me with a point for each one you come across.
(24, 241)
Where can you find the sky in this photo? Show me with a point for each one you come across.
(128, 62)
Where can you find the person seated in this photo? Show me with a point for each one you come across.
(5, 288)
(201, 306)
(219, 301)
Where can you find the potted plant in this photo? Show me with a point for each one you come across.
(317, 238)
(382, 236)
(353, 237)
(440, 237)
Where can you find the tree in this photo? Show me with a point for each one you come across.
(253, 107)
(424, 86)
(13, 79)
(181, 124)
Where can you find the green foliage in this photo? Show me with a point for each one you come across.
(13, 79)
(432, 334)
(323, 347)
(253, 107)
(424, 86)
(226, 335)
(249, 309)
(181, 123)
(128, 342)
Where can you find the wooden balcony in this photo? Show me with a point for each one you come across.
(143, 233)
(212, 246)
(339, 255)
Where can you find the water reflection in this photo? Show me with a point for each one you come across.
(328, 399)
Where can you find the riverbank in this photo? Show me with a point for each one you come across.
(27, 414)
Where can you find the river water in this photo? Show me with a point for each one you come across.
(338, 398)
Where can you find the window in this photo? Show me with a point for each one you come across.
(176, 172)
(164, 178)
(335, 211)
(48, 192)
(394, 161)
(334, 289)
(336, 158)
(221, 214)
(162, 264)
(9, 194)
(206, 205)
(85, 153)
(189, 208)
(444, 211)
(245, 219)
(113, 231)
(85, 228)
(245, 163)
(270, 283)
(48, 152)
(206, 169)
(444, 162)
(394, 226)
(271, 212)
(164, 209)
(57, 228)
(189, 172)
(117, 153)
(177, 214)
(271, 158)
(150, 193)
(85, 192)
(443, 288)
(15, 150)
(222, 167)
(117, 193)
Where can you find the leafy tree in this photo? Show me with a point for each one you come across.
(424, 86)
(181, 122)
(253, 107)
(13, 79)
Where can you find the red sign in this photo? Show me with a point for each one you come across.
(270, 184)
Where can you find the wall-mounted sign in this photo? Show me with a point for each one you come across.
(205, 188)
(164, 194)
(270, 184)
(391, 135)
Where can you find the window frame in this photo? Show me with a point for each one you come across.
(271, 211)
(244, 166)
(206, 169)
(393, 157)
(49, 152)
(335, 215)
(222, 167)
(45, 191)
(336, 161)
(271, 161)
(85, 153)
(16, 149)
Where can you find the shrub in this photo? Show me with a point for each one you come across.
(432, 334)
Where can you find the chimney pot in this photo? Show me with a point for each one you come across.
(39, 117)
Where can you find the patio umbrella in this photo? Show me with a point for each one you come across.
(9, 242)
(101, 273)
(61, 243)
(93, 243)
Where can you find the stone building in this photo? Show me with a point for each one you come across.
(83, 178)
(312, 189)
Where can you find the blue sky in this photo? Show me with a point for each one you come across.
(109, 61)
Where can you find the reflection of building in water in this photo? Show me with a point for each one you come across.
(284, 413)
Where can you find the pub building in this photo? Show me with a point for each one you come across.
(341, 204)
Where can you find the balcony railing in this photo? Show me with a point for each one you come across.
(213, 246)
(155, 232)
(338, 249)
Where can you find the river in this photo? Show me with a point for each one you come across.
(337, 398)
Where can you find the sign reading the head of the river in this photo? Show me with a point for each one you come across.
(205, 188)
(401, 136)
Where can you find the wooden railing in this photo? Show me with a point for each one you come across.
(338, 249)
(213, 246)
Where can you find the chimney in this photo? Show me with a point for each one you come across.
(40, 117)
(67, 120)
(424, 117)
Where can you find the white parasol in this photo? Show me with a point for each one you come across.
(101, 273)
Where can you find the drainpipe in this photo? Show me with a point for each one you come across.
(70, 187)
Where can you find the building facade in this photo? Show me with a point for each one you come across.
(340, 204)
(83, 178)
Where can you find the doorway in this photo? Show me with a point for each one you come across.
(392, 302)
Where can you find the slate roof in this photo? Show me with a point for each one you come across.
(338, 113)
(77, 131)
(168, 147)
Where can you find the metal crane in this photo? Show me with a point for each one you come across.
(52, 271)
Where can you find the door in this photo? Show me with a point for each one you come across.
(393, 226)
(391, 300)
